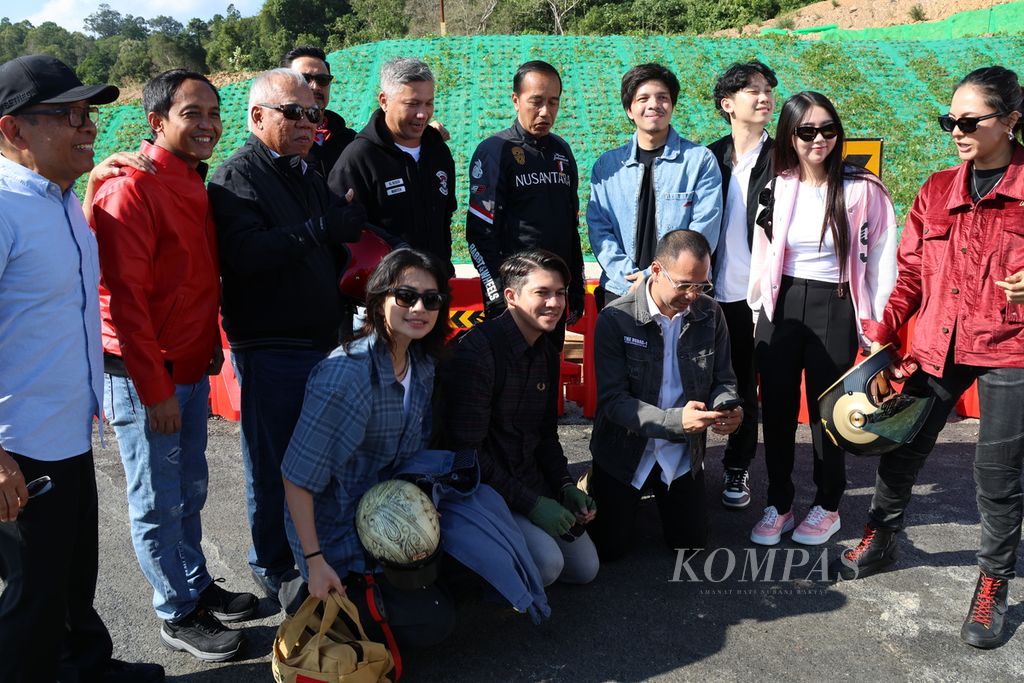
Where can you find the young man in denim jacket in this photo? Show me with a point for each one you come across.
(662, 358)
(655, 183)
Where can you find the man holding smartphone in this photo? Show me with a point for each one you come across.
(663, 379)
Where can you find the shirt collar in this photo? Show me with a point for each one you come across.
(516, 341)
(168, 162)
(750, 158)
(16, 174)
(276, 155)
(1011, 185)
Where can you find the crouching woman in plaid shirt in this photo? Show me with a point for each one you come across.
(366, 410)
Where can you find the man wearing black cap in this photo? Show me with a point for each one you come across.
(51, 375)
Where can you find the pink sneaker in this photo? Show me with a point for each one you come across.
(771, 527)
(817, 527)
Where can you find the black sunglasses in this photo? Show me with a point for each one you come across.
(407, 298)
(808, 133)
(77, 116)
(323, 80)
(967, 124)
(294, 112)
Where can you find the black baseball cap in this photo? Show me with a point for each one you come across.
(41, 79)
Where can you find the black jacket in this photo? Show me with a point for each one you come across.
(412, 201)
(511, 420)
(629, 357)
(279, 275)
(760, 176)
(523, 195)
(322, 157)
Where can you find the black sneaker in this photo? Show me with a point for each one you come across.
(875, 552)
(117, 671)
(735, 492)
(983, 626)
(202, 636)
(225, 605)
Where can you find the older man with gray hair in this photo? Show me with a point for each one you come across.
(280, 234)
(399, 165)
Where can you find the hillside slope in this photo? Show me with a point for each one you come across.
(887, 90)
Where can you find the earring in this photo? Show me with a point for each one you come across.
(1009, 134)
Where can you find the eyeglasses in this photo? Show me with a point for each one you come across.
(294, 112)
(688, 287)
(407, 298)
(808, 133)
(323, 80)
(77, 116)
(967, 124)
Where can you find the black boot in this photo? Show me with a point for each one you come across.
(875, 552)
(983, 626)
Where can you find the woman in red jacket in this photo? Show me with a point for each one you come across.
(961, 269)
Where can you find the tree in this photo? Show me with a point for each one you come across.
(169, 26)
(12, 38)
(104, 22)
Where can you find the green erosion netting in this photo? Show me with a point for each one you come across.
(1007, 18)
(892, 90)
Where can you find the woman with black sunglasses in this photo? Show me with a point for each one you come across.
(961, 270)
(823, 259)
(366, 411)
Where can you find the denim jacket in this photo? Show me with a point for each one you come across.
(688, 192)
(628, 356)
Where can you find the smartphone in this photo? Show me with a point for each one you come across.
(728, 404)
(38, 487)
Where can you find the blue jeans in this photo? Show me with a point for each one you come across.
(998, 458)
(272, 384)
(167, 478)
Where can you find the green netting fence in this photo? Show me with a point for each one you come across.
(892, 90)
(998, 19)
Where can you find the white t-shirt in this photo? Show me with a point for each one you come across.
(407, 383)
(414, 152)
(805, 257)
(733, 261)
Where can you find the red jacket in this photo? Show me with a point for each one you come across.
(159, 281)
(950, 256)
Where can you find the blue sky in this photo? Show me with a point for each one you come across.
(71, 13)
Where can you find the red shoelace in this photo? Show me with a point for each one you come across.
(985, 602)
(869, 535)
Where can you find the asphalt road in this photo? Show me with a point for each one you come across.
(634, 623)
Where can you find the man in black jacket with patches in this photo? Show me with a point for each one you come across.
(743, 96)
(279, 231)
(523, 191)
(399, 165)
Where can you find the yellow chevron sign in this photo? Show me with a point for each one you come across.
(465, 318)
(864, 152)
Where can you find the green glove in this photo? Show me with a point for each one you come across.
(576, 500)
(549, 515)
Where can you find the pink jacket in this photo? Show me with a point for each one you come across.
(872, 261)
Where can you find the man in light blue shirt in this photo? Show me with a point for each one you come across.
(655, 183)
(51, 375)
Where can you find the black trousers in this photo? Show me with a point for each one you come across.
(682, 508)
(742, 444)
(814, 332)
(48, 559)
(998, 457)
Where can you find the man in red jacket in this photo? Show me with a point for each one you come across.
(159, 292)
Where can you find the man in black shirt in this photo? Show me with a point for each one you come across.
(523, 192)
(500, 397)
(332, 135)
